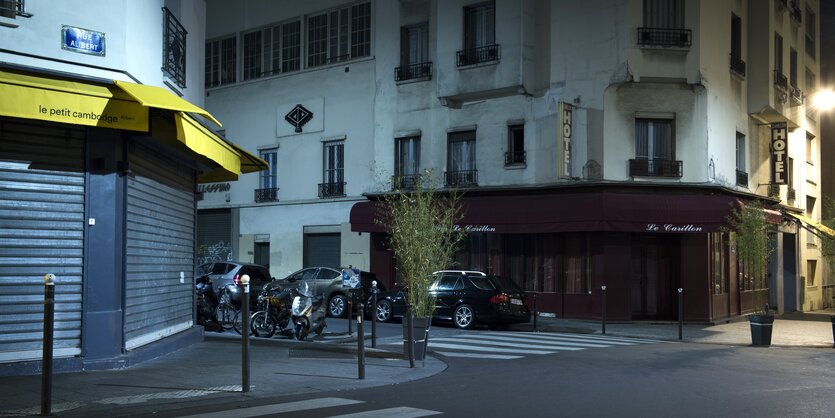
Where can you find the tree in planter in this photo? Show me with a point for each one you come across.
(421, 223)
(752, 247)
(827, 247)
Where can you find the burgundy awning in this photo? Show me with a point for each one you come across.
(597, 211)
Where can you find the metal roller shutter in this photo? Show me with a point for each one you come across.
(160, 248)
(214, 232)
(42, 189)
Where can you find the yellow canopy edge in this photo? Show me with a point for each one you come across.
(58, 100)
(810, 223)
(206, 143)
(153, 96)
(249, 162)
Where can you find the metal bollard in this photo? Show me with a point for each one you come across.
(360, 344)
(410, 337)
(245, 335)
(374, 315)
(48, 330)
(348, 301)
(680, 312)
(603, 307)
(535, 313)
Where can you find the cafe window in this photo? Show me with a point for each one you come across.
(577, 263)
(719, 271)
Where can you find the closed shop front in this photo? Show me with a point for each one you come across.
(42, 199)
(159, 248)
(214, 235)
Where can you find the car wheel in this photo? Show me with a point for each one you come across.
(464, 317)
(383, 311)
(337, 307)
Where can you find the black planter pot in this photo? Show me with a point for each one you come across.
(761, 329)
(420, 333)
(832, 318)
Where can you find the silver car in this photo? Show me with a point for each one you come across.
(226, 278)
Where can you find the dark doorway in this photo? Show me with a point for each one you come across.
(262, 254)
(654, 259)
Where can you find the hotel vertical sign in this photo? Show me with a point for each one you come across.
(779, 148)
(564, 127)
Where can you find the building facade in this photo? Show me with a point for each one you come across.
(102, 145)
(598, 143)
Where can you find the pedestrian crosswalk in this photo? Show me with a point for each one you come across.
(314, 404)
(514, 345)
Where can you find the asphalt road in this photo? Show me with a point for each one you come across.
(649, 379)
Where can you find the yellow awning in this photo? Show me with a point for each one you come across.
(811, 225)
(153, 96)
(58, 100)
(250, 163)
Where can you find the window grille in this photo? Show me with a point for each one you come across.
(174, 49)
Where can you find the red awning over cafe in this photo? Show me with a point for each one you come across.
(570, 212)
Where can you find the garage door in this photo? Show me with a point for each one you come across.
(160, 247)
(42, 185)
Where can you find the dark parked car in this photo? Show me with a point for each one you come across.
(226, 277)
(465, 298)
(328, 282)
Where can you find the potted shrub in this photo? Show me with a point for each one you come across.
(752, 248)
(421, 223)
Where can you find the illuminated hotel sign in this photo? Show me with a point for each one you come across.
(779, 148)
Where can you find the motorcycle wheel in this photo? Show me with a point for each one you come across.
(225, 312)
(301, 332)
(262, 324)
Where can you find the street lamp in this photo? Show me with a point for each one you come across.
(823, 100)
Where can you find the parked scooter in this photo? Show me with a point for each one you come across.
(273, 312)
(308, 311)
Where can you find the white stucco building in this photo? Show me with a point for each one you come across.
(600, 142)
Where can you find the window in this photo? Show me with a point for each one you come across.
(655, 149)
(174, 49)
(577, 260)
(810, 212)
(793, 67)
(741, 170)
(811, 28)
(414, 53)
(737, 64)
(666, 14)
(406, 162)
(333, 178)
(461, 169)
(272, 50)
(515, 145)
(778, 53)
(339, 35)
(479, 35)
(810, 148)
(718, 244)
(268, 179)
(12, 9)
(811, 270)
(221, 62)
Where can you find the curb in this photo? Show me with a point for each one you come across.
(336, 346)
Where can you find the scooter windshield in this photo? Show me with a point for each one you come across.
(306, 288)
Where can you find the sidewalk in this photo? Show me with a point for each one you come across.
(284, 366)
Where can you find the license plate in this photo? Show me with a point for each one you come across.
(515, 301)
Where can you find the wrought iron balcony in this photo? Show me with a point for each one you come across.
(404, 182)
(681, 38)
(774, 190)
(12, 8)
(327, 190)
(461, 178)
(796, 95)
(737, 65)
(516, 157)
(266, 195)
(642, 167)
(422, 70)
(741, 178)
(478, 55)
(780, 81)
(791, 195)
(797, 15)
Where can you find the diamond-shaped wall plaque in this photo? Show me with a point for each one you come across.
(298, 117)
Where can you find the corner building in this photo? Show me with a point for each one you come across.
(103, 143)
(597, 143)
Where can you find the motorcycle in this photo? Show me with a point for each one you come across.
(273, 312)
(206, 301)
(308, 311)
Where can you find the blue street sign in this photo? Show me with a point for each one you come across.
(82, 40)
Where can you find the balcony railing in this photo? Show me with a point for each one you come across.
(780, 81)
(681, 38)
(266, 195)
(774, 190)
(737, 65)
(642, 167)
(422, 70)
(461, 178)
(478, 55)
(515, 158)
(741, 178)
(404, 182)
(12, 8)
(797, 15)
(327, 190)
(796, 95)
(791, 195)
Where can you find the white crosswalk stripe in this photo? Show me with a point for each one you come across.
(508, 345)
(288, 407)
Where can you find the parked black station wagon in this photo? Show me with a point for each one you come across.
(465, 298)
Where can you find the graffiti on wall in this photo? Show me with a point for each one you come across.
(219, 251)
